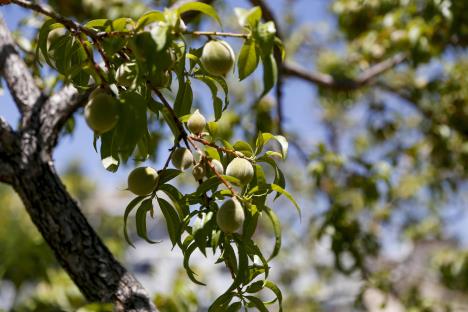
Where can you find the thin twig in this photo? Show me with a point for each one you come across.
(328, 81)
(180, 126)
(212, 168)
(98, 45)
(216, 34)
(90, 56)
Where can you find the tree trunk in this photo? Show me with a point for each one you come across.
(77, 247)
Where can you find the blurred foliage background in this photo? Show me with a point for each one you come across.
(384, 189)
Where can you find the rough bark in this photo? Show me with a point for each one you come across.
(7, 140)
(15, 72)
(57, 110)
(76, 246)
(26, 164)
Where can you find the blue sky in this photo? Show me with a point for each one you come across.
(301, 107)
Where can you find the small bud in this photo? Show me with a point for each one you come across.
(142, 180)
(230, 216)
(196, 123)
(241, 169)
(198, 172)
(218, 166)
(182, 158)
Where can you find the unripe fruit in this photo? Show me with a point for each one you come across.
(101, 112)
(182, 158)
(142, 181)
(97, 91)
(198, 172)
(241, 169)
(218, 166)
(217, 57)
(230, 216)
(196, 123)
(126, 74)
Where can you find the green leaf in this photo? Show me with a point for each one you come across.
(250, 224)
(160, 36)
(168, 174)
(279, 189)
(170, 121)
(275, 222)
(188, 252)
(212, 128)
(219, 305)
(129, 209)
(242, 267)
(265, 35)
(232, 180)
(212, 152)
(60, 51)
(270, 73)
(248, 59)
(217, 102)
(279, 177)
(177, 199)
(218, 108)
(255, 287)
(200, 7)
(209, 184)
(184, 98)
(144, 47)
(257, 303)
(110, 163)
(109, 159)
(120, 24)
(172, 221)
(254, 250)
(272, 153)
(234, 307)
(200, 231)
(280, 139)
(132, 125)
(248, 18)
(272, 286)
(140, 218)
(280, 46)
(149, 18)
(259, 143)
(284, 145)
(46, 28)
(215, 236)
(155, 106)
(260, 178)
(227, 144)
(243, 147)
(224, 86)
